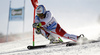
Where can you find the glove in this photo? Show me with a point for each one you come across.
(38, 31)
(36, 25)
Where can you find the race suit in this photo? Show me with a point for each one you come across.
(50, 27)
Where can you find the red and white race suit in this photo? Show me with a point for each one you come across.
(51, 27)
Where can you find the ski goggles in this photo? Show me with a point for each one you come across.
(40, 15)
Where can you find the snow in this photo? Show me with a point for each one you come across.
(20, 47)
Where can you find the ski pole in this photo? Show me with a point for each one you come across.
(60, 39)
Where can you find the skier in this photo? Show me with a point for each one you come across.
(46, 25)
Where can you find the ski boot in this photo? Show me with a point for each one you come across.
(82, 39)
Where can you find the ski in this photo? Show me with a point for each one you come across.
(75, 43)
(49, 45)
(44, 46)
(67, 44)
(35, 47)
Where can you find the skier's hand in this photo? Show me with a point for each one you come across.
(38, 31)
(36, 25)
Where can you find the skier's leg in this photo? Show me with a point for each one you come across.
(71, 37)
(50, 36)
(45, 33)
(64, 34)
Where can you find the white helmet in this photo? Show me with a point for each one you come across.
(40, 9)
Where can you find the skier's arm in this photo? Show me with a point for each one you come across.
(37, 20)
(37, 23)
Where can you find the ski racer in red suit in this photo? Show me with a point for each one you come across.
(46, 25)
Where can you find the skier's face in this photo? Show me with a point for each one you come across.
(41, 16)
